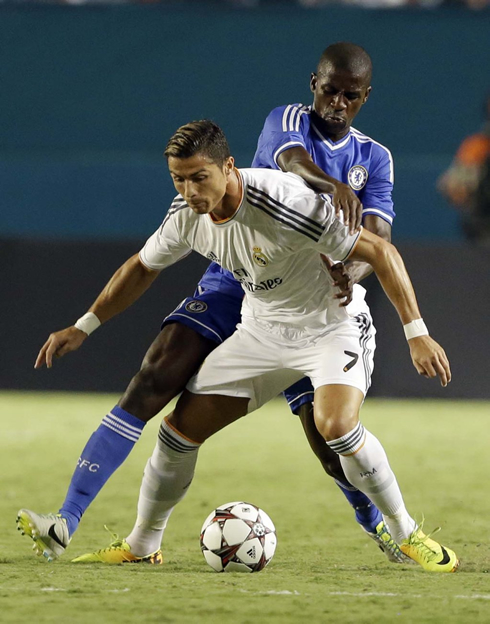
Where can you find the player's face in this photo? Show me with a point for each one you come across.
(337, 98)
(200, 181)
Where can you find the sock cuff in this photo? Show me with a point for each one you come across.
(350, 443)
(124, 423)
(171, 437)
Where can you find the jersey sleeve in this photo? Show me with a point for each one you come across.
(336, 241)
(283, 129)
(376, 196)
(314, 217)
(165, 246)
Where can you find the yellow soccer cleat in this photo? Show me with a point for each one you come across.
(119, 552)
(428, 553)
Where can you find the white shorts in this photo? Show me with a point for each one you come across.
(254, 364)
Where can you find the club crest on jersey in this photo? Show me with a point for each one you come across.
(259, 258)
(357, 177)
(196, 306)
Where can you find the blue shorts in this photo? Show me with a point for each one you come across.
(209, 313)
(215, 316)
(299, 393)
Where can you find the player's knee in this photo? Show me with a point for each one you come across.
(154, 380)
(333, 424)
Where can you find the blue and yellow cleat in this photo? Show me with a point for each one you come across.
(387, 544)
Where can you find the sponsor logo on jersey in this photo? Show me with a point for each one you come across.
(357, 177)
(213, 257)
(244, 277)
(196, 306)
(268, 284)
(259, 258)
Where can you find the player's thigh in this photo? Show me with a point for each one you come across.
(199, 416)
(344, 356)
(194, 329)
(178, 351)
(340, 367)
(172, 359)
(233, 365)
(244, 366)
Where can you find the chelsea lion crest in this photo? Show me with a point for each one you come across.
(196, 306)
(357, 177)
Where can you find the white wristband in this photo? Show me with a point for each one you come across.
(88, 323)
(415, 328)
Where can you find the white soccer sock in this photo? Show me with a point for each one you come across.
(366, 466)
(167, 477)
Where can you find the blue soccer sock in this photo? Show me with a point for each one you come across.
(367, 514)
(105, 451)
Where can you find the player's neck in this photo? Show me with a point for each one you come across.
(231, 200)
(322, 127)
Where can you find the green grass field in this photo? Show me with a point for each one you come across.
(325, 569)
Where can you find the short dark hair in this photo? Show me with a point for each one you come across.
(349, 57)
(199, 137)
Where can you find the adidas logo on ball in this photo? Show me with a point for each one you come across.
(238, 537)
(251, 552)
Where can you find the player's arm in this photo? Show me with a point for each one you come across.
(428, 356)
(359, 270)
(297, 160)
(127, 285)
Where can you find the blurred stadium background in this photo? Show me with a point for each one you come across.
(90, 94)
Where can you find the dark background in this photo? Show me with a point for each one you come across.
(88, 99)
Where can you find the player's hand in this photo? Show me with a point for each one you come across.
(429, 358)
(342, 280)
(345, 200)
(58, 344)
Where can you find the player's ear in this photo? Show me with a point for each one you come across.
(229, 165)
(313, 81)
(368, 91)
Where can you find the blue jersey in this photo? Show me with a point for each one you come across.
(365, 165)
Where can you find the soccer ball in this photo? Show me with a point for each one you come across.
(238, 537)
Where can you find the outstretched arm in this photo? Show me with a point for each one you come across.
(428, 357)
(127, 285)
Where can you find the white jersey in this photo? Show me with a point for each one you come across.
(271, 245)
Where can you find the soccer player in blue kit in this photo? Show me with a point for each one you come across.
(318, 144)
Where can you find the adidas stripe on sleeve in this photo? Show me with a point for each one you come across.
(283, 129)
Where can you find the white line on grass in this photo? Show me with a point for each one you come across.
(392, 595)
(107, 591)
(286, 592)
(283, 592)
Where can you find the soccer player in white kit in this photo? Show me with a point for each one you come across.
(268, 228)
